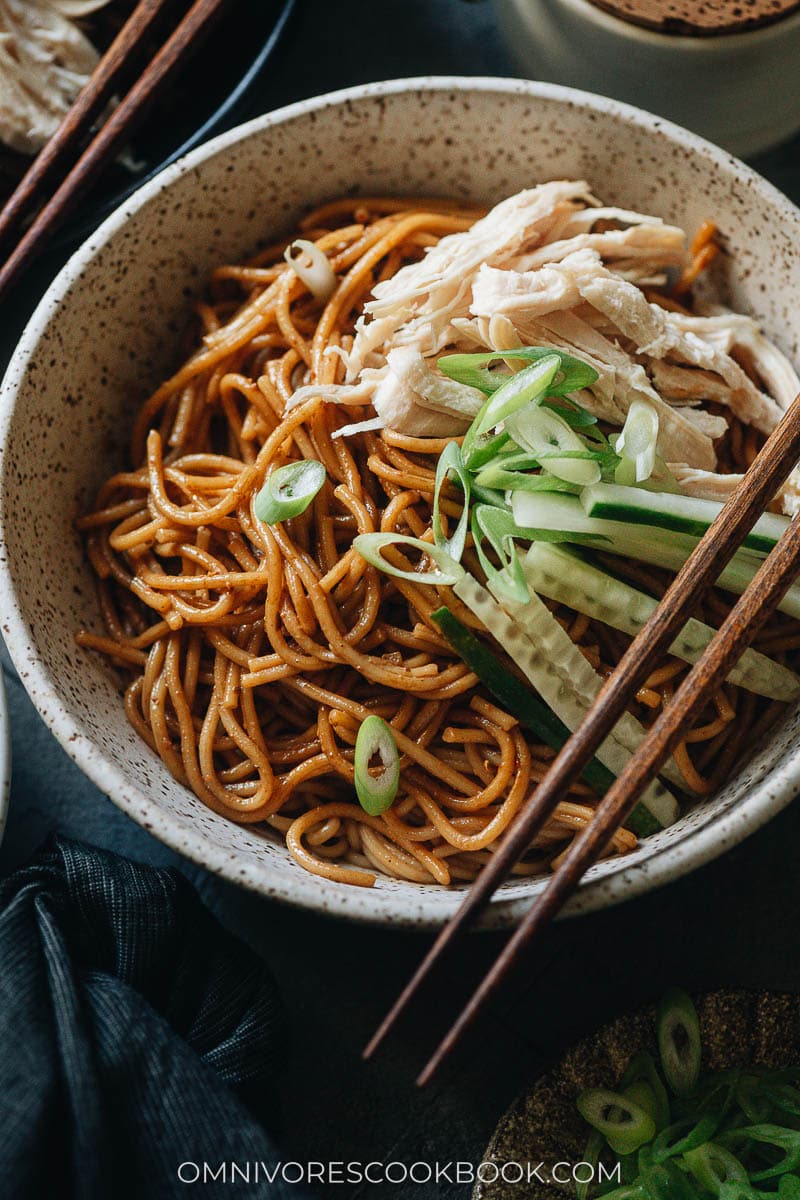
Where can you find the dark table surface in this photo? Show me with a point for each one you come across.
(733, 923)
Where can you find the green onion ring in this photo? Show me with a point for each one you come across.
(678, 1032)
(376, 792)
(289, 490)
(450, 461)
(369, 546)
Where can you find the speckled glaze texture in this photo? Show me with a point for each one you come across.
(107, 331)
(738, 1029)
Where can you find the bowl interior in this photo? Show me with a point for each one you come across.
(109, 329)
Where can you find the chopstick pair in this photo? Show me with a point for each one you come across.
(693, 581)
(109, 139)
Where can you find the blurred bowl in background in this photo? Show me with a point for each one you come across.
(740, 90)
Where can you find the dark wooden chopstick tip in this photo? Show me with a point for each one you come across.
(373, 1044)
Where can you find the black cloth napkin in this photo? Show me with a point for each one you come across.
(136, 1035)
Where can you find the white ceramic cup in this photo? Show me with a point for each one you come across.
(741, 90)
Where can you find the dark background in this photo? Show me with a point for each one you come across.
(733, 923)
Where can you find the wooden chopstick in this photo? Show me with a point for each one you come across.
(111, 137)
(696, 577)
(88, 105)
(736, 633)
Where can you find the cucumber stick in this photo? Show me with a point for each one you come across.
(568, 579)
(531, 712)
(648, 544)
(557, 648)
(665, 510)
(548, 657)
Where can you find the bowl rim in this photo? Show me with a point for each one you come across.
(698, 845)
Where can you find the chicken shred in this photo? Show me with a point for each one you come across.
(553, 267)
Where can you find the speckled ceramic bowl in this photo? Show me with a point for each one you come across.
(104, 334)
(738, 1029)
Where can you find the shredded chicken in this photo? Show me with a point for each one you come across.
(45, 60)
(411, 396)
(552, 267)
(707, 484)
(416, 306)
(652, 332)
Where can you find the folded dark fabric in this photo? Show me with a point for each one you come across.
(133, 1028)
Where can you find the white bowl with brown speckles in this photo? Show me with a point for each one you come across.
(104, 335)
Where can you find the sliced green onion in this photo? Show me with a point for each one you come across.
(642, 1094)
(678, 1031)
(644, 1160)
(498, 528)
(784, 1096)
(490, 496)
(789, 1188)
(547, 435)
(591, 1155)
(755, 1103)
(520, 390)
(643, 1067)
(289, 490)
(787, 1140)
(497, 476)
(573, 414)
(511, 458)
(573, 375)
(683, 1136)
(376, 740)
(450, 461)
(665, 1181)
(625, 1125)
(708, 1150)
(636, 444)
(370, 545)
(476, 451)
(713, 1165)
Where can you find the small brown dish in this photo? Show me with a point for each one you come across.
(543, 1126)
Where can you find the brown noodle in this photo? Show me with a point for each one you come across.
(255, 652)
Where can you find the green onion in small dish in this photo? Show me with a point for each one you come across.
(689, 1100)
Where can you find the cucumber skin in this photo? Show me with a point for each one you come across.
(605, 511)
(521, 703)
(661, 549)
(635, 506)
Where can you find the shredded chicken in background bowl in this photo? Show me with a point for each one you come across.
(45, 60)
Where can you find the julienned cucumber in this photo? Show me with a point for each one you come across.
(665, 548)
(564, 576)
(684, 514)
(558, 672)
(560, 656)
(521, 702)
